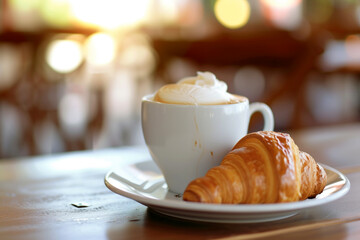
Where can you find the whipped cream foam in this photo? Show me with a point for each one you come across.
(203, 89)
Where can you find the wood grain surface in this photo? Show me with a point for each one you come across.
(38, 194)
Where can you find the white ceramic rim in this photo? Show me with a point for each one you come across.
(229, 208)
(149, 98)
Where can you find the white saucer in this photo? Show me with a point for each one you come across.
(144, 183)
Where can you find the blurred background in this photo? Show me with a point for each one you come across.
(72, 72)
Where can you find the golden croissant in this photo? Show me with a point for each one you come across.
(263, 167)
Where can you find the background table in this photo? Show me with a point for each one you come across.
(36, 197)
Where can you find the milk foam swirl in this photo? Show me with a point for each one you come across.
(203, 89)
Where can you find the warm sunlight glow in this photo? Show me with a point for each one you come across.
(100, 49)
(64, 56)
(284, 4)
(56, 12)
(232, 13)
(110, 14)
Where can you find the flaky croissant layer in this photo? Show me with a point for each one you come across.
(263, 167)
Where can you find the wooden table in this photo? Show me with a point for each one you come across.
(37, 193)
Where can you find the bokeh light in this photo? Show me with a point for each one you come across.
(285, 14)
(352, 47)
(341, 54)
(72, 72)
(110, 14)
(73, 113)
(191, 12)
(139, 57)
(162, 12)
(100, 49)
(137, 54)
(232, 13)
(281, 4)
(64, 56)
(334, 56)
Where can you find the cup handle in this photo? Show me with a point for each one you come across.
(265, 110)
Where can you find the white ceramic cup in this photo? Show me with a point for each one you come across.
(185, 141)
